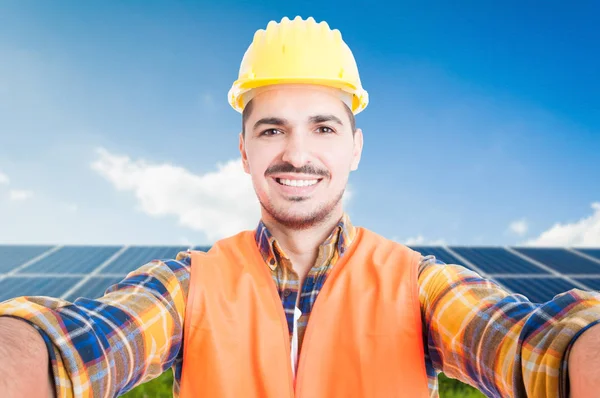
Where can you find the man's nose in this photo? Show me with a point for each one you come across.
(296, 151)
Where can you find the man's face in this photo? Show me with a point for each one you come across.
(299, 150)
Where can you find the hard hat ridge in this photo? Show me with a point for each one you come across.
(298, 51)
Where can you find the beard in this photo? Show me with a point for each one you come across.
(305, 220)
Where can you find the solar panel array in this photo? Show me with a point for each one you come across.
(70, 272)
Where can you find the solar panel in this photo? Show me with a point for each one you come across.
(590, 252)
(73, 260)
(496, 260)
(592, 283)
(13, 256)
(55, 271)
(438, 252)
(136, 256)
(37, 286)
(538, 290)
(561, 260)
(94, 287)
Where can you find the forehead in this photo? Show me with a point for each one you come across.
(296, 104)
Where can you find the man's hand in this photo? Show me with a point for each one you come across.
(584, 365)
(24, 362)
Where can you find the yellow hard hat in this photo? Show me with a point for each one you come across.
(298, 51)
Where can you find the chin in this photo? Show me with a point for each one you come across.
(297, 215)
(300, 221)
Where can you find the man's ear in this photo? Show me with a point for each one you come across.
(243, 153)
(358, 146)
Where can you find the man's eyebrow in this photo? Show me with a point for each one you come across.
(273, 121)
(325, 118)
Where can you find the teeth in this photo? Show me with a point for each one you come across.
(297, 183)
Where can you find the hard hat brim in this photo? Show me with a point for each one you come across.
(239, 87)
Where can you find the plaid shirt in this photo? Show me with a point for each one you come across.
(287, 280)
(473, 330)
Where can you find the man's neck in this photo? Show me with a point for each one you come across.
(302, 246)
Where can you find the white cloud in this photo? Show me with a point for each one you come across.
(4, 178)
(519, 227)
(185, 241)
(585, 232)
(15, 195)
(421, 241)
(218, 203)
(19, 195)
(348, 193)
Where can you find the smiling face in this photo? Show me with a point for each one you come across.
(299, 149)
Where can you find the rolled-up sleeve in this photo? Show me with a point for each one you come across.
(500, 343)
(107, 346)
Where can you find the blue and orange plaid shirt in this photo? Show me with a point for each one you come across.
(473, 330)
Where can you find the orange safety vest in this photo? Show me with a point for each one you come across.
(363, 339)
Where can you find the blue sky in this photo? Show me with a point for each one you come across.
(483, 126)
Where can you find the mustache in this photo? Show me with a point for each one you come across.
(289, 168)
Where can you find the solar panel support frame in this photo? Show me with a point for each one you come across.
(31, 262)
(95, 272)
(547, 269)
(586, 256)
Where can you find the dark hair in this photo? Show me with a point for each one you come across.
(248, 111)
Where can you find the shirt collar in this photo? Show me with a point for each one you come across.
(342, 235)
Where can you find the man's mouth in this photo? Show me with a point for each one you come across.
(297, 183)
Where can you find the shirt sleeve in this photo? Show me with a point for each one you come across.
(500, 343)
(107, 346)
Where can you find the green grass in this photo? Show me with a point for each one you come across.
(450, 388)
(162, 388)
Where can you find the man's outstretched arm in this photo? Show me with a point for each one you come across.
(584, 365)
(107, 346)
(24, 361)
(502, 343)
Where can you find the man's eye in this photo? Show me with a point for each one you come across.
(325, 130)
(270, 132)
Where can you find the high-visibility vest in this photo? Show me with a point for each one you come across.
(364, 337)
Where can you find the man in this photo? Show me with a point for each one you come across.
(384, 320)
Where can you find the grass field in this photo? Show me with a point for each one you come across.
(161, 388)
